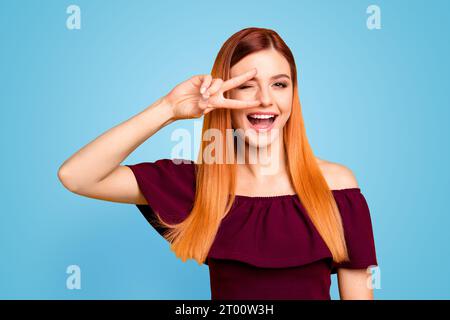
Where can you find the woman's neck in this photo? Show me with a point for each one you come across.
(264, 164)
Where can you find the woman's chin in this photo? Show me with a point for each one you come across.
(262, 139)
(258, 139)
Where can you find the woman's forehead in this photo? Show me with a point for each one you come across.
(267, 62)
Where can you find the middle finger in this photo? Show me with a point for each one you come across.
(238, 104)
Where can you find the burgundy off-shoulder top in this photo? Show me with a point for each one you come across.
(266, 247)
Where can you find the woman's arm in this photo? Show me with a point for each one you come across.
(95, 171)
(354, 284)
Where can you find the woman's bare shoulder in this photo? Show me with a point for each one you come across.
(337, 175)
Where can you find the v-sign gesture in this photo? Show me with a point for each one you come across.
(201, 94)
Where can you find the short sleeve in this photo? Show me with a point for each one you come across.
(168, 185)
(358, 230)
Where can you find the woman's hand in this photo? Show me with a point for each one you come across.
(201, 94)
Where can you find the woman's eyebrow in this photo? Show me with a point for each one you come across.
(281, 75)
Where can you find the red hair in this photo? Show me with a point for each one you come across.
(215, 182)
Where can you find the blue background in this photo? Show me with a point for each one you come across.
(376, 101)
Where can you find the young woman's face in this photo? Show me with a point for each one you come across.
(272, 85)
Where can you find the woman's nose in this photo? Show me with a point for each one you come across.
(264, 96)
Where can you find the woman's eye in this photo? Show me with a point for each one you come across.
(278, 84)
(281, 84)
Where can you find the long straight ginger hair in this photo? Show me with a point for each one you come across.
(215, 182)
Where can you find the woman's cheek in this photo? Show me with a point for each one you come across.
(286, 104)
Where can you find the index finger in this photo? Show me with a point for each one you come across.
(234, 82)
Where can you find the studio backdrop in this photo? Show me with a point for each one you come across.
(373, 81)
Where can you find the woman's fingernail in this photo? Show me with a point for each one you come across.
(202, 90)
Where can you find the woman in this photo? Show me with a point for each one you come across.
(275, 228)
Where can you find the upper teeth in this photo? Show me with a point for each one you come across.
(261, 116)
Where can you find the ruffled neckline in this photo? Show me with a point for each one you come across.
(289, 196)
(275, 231)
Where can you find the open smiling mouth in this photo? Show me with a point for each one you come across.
(261, 122)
